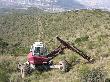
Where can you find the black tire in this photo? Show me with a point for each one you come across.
(64, 66)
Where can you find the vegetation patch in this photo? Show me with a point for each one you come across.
(87, 28)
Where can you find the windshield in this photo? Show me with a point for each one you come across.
(40, 51)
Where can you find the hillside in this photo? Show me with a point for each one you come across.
(30, 10)
(89, 30)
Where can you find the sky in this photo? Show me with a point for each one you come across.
(103, 4)
(95, 3)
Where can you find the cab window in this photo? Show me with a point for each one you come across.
(41, 51)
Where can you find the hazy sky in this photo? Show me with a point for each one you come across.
(71, 3)
(105, 3)
(84, 2)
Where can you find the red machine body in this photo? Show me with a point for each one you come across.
(32, 59)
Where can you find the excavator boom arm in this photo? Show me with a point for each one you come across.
(75, 49)
(65, 45)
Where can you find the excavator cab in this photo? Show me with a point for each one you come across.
(38, 53)
(39, 49)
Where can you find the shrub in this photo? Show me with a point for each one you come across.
(3, 46)
(94, 75)
(82, 39)
(7, 67)
(4, 76)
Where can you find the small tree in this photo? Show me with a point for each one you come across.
(3, 45)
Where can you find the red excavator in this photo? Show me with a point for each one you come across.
(40, 59)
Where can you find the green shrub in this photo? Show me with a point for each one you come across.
(94, 75)
(3, 46)
(72, 59)
(82, 39)
(4, 76)
(8, 65)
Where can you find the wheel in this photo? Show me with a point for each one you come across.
(24, 69)
(23, 74)
(50, 62)
(64, 66)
